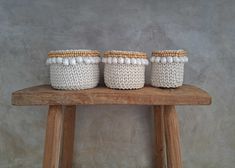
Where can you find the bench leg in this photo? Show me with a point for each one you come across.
(52, 151)
(68, 136)
(171, 125)
(58, 152)
(159, 136)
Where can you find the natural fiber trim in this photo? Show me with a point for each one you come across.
(172, 53)
(125, 54)
(74, 53)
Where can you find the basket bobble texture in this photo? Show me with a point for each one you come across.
(124, 69)
(167, 69)
(74, 69)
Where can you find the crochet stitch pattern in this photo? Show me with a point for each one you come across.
(76, 77)
(74, 69)
(168, 68)
(124, 69)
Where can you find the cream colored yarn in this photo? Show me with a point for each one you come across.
(75, 77)
(74, 69)
(124, 69)
(168, 75)
(168, 68)
(123, 76)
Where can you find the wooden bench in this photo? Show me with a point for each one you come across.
(59, 139)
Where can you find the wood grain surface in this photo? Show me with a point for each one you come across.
(46, 95)
(68, 136)
(172, 134)
(53, 140)
(159, 137)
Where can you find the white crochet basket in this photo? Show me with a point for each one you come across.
(168, 68)
(74, 69)
(124, 69)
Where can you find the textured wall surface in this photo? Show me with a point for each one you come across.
(113, 136)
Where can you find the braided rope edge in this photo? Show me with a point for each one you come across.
(125, 54)
(173, 53)
(73, 53)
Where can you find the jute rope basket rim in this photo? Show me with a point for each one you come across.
(125, 54)
(172, 53)
(74, 53)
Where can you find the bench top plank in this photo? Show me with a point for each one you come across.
(46, 95)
